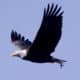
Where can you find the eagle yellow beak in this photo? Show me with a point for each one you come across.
(13, 54)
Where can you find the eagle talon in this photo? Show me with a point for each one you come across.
(62, 63)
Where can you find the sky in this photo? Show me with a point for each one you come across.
(25, 17)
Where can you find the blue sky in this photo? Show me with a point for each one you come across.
(25, 17)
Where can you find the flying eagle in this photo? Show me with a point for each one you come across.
(46, 40)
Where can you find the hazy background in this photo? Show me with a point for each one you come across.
(25, 17)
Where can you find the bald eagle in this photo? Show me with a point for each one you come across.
(46, 40)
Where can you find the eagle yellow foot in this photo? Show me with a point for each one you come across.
(61, 62)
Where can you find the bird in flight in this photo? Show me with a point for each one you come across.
(45, 41)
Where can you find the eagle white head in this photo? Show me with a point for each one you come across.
(20, 53)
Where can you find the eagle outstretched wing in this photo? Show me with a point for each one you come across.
(19, 40)
(49, 33)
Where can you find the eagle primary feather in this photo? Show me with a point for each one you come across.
(19, 40)
(49, 33)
